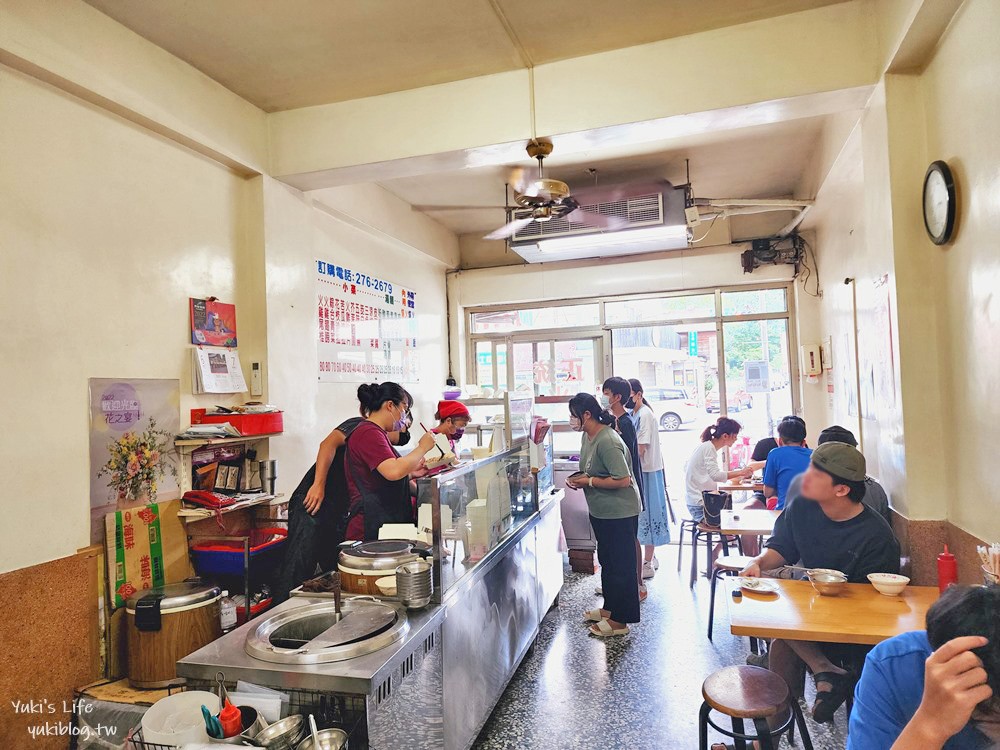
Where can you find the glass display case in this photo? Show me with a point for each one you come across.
(473, 508)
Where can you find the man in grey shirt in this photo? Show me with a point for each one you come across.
(875, 497)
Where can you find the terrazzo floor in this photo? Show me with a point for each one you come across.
(641, 692)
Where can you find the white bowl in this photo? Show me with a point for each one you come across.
(888, 584)
(387, 585)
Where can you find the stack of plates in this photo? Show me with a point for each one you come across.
(414, 584)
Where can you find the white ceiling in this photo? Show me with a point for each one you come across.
(296, 53)
(767, 161)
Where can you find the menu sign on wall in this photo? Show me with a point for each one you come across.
(366, 327)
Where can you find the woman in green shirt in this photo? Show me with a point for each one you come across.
(613, 500)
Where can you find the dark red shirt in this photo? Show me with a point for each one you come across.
(367, 449)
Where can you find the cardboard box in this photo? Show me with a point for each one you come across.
(146, 547)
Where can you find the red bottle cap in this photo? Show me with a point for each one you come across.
(946, 555)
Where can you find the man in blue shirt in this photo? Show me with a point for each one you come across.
(785, 462)
(911, 696)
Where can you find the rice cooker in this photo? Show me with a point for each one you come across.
(362, 563)
(165, 624)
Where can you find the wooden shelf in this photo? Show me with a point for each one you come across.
(199, 442)
(199, 514)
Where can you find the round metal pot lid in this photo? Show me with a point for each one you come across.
(177, 596)
(311, 634)
(385, 554)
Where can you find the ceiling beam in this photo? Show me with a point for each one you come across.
(486, 120)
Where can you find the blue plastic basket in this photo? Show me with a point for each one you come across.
(226, 558)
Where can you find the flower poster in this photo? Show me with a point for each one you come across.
(366, 327)
(132, 456)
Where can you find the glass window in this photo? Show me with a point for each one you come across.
(501, 351)
(575, 368)
(484, 364)
(509, 321)
(663, 308)
(752, 303)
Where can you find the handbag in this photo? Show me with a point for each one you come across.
(715, 503)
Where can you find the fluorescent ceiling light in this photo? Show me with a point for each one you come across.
(614, 239)
(605, 245)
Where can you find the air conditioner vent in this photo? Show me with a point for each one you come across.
(641, 211)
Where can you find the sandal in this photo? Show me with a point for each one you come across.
(594, 615)
(603, 629)
(828, 701)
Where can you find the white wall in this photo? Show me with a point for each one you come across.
(106, 230)
(296, 234)
(961, 102)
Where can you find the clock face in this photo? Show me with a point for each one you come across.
(939, 202)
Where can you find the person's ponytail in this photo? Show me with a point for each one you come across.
(722, 426)
(585, 402)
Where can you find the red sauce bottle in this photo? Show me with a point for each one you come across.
(947, 569)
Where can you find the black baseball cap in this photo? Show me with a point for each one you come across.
(837, 434)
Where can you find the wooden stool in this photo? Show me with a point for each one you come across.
(708, 533)
(730, 565)
(749, 693)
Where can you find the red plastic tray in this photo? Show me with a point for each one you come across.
(247, 424)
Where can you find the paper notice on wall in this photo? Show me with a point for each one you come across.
(216, 371)
(366, 327)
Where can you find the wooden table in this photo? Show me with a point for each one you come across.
(756, 522)
(859, 615)
(741, 487)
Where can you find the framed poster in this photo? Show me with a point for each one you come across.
(366, 327)
(132, 457)
(213, 323)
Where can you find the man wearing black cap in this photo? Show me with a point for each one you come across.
(875, 496)
(828, 527)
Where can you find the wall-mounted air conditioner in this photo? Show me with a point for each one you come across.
(655, 222)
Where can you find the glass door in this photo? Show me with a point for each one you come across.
(757, 378)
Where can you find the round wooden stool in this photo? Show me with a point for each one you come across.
(729, 565)
(749, 693)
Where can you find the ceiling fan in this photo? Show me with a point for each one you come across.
(549, 199)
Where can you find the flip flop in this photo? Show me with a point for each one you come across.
(828, 701)
(603, 629)
(593, 615)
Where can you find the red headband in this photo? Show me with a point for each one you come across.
(452, 409)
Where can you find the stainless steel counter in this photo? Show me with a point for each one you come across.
(435, 687)
(361, 675)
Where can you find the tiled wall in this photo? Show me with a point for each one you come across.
(922, 541)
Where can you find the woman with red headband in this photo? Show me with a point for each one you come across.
(452, 417)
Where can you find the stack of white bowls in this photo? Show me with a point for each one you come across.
(414, 584)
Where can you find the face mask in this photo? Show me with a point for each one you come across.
(575, 424)
(630, 404)
(605, 402)
(400, 424)
(457, 434)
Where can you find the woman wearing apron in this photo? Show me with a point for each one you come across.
(377, 476)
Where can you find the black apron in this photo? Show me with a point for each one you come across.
(391, 503)
(312, 539)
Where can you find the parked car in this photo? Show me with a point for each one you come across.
(737, 401)
(673, 407)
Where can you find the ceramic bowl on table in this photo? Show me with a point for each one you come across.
(888, 584)
(386, 585)
(828, 582)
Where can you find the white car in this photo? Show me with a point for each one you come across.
(673, 407)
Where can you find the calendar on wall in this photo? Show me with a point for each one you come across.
(366, 327)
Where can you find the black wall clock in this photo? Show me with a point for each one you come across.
(939, 202)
